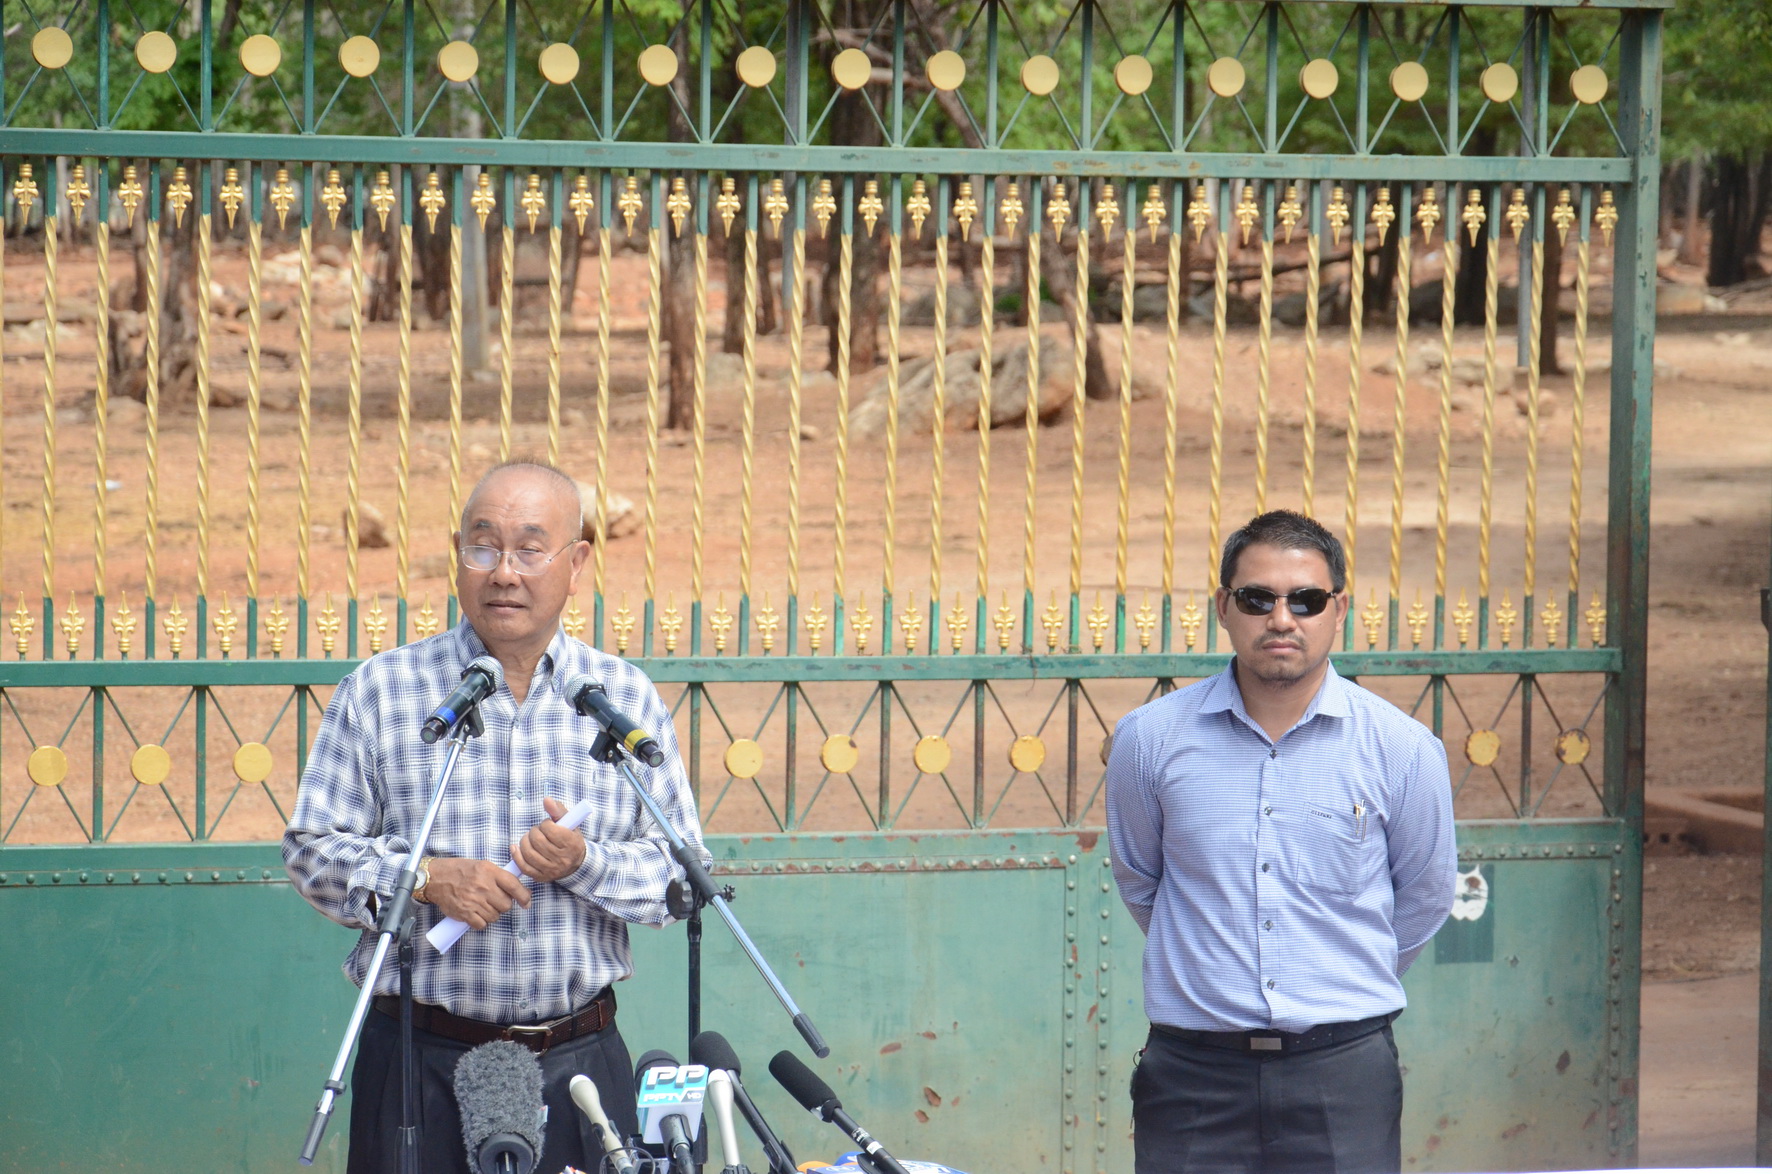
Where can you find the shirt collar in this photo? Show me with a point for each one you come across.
(473, 647)
(1222, 694)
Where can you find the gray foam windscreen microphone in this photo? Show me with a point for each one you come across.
(498, 1088)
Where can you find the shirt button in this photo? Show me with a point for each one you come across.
(1267, 925)
(523, 935)
(1274, 753)
(518, 794)
(1267, 810)
(1264, 867)
(1270, 984)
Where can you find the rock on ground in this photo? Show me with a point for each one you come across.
(1009, 376)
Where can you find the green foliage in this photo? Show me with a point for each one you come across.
(1714, 94)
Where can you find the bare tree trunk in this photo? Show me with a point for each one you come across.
(1058, 269)
(854, 123)
(1473, 273)
(732, 336)
(1550, 305)
(679, 305)
(1691, 246)
(1738, 212)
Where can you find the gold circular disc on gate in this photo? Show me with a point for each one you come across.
(933, 754)
(850, 69)
(1133, 75)
(150, 765)
(1409, 81)
(946, 70)
(756, 67)
(1039, 75)
(1588, 84)
(559, 63)
(359, 56)
(744, 759)
(1483, 747)
(1027, 754)
(1319, 77)
(1225, 77)
(458, 60)
(839, 754)
(252, 762)
(156, 52)
(52, 47)
(1500, 83)
(47, 766)
(261, 55)
(658, 65)
(1573, 747)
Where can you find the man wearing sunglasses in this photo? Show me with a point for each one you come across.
(1285, 840)
(543, 950)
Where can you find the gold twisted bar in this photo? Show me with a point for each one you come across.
(1534, 347)
(1356, 326)
(698, 485)
(600, 510)
(1491, 291)
(894, 287)
(748, 429)
(938, 430)
(1577, 410)
(840, 513)
(1079, 393)
(403, 487)
(1032, 415)
(507, 321)
(1171, 408)
(1313, 283)
(1443, 502)
(654, 344)
(987, 266)
(456, 360)
(796, 381)
(354, 466)
(254, 397)
(101, 397)
(556, 294)
(1264, 370)
(1399, 418)
(205, 274)
(151, 375)
(1123, 521)
(51, 246)
(1215, 470)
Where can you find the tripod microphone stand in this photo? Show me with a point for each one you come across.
(395, 924)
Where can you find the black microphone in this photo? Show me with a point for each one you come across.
(479, 681)
(586, 694)
(498, 1088)
(710, 1048)
(815, 1096)
(667, 1102)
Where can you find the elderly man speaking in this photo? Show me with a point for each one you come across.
(545, 949)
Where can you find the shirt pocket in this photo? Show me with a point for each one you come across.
(1336, 846)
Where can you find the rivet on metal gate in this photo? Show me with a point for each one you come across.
(109, 877)
(135, 878)
(1070, 937)
(1073, 858)
(1069, 1043)
(55, 878)
(190, 876)
(1104, 965)
(163, 878)
(1105, 887)
(82, 878)
(1104, 939)
(267, 874)
(1070, 884)
(1617, 849)
(1592, 850)
(241, 875)
(30, 878)
(2, 878)
(1106, 913)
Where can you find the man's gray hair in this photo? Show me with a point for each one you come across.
(564, 480)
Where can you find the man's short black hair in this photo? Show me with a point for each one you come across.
(1287, 530)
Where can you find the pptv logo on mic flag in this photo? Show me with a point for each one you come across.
(665, 1092)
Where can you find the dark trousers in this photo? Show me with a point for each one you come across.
(375, 1100)
(1204, 1110)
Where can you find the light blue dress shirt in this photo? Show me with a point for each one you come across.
(1280, 884)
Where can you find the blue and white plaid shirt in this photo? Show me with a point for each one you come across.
(1280, 884)
(367, 784)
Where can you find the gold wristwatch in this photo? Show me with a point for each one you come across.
(424, 880)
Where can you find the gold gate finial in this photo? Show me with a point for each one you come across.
(426, 623)
(232, 194)
(1384, 214)
(1107, 210)
(957, 623)
(824, 206)
(130, 193)
(21, 624)
(1517, 212)
(581, 202)
(767, 623)
(677, 204)
(622, 622)
(226, 623)
(1427, 214)
(1505, 618)
(276, 626)
(1098, 622)
(919, 208)
(1463, 616)
(432, 200)
(1191, 619)
(1373, 617)
(375, 623)
(123, 623)
(720, 621)
(1052, 620)
(79, 191)
(1010, 208)
(1004, 621)
(178, 196)
(327, 626)
(1153, 211)
(775, 206)
(1606, 217)
(1337, 214)
(1563, 216)
(483, 201)
(728, 205)
(381, 198)
(1058, 210)
(72, 624)
(1247, 211)
(534, 201)
(965, 208)
(861, 622)
(871, 207)
(332, 196)
(1145, 620)
(816, 622)
(1474, 215)
(24, 194)
(1417, 620)
(1199, 212)
(911, 620)
(282, 197)
(176, 625)
(630, 202)
(1291, 211)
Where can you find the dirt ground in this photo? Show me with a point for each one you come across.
(1713, 451)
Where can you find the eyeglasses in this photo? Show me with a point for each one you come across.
(1259, 601)
(524, 562)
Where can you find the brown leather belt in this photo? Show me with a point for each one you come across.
(1281, 1042)
(537, 1037)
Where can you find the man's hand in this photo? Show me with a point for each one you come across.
(550, 851)
(473, 891)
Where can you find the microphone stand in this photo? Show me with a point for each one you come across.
(610, 750)
(395, 922)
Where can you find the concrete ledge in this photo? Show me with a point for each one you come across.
(1722, 820)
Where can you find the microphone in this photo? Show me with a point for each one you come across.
(479, 680)
(670, 1100)
(815, 1096)
(710, 1048)
(498, 1088)
(584, 1095)
(720, 1104)
(586, 694)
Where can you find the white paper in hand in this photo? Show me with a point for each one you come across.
(449, 931)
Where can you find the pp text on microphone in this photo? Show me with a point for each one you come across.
(545, 947)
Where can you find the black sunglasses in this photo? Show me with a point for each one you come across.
(1259, 601)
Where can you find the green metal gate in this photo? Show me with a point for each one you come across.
(270, 226)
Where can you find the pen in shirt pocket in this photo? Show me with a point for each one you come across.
(1360, 822)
